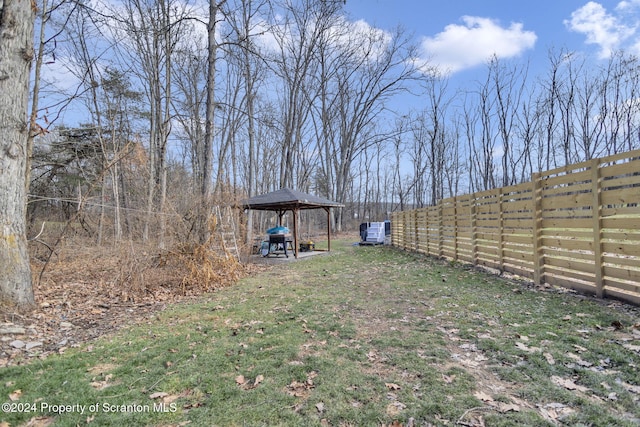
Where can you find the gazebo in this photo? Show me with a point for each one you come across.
(284, 200)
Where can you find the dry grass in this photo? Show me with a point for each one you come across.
(129, 271)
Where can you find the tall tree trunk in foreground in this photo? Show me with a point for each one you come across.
(16, 53)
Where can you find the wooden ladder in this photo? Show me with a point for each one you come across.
(225, 232)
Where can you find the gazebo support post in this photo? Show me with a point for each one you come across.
(295, 232)
(328, 228)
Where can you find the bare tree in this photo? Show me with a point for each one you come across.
(189, 105)
(107, 98)
(435, 117)
(16, 55)
(244, 21)
(508, 86)
(299, 34)
(484, 168)
(421, 133)
(619, 103)
(379, 67)
(530, 133)
(206, 148)
(149, 31)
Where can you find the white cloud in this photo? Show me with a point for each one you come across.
(609, 31)
(369, 42)
(465, 46)
(627, 5)
(358, 37)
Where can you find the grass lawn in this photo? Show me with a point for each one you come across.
(364, 336)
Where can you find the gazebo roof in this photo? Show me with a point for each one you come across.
(287, 199)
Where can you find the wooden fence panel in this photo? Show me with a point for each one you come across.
(576, 226)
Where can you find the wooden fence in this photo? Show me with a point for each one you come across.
(577, 227)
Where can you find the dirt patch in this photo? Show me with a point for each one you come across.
(55, 327)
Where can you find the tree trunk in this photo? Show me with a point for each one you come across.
(16, 54)
(207, 146)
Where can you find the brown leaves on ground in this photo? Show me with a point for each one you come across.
(249, 384)
(85, 291)
(302, 389)
(15, 395)
(568, 383)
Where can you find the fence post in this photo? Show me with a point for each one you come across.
(597, 226)
(538, 250)
(415, 230)
(455, 228)
(440, 229)
(501, 229)
(405, 237)
(474, 229)
(425, 224)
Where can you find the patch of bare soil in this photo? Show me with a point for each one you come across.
(88, 292)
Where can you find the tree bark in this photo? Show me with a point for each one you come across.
(16, 54)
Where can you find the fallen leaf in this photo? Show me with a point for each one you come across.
(550, 359)
(99, 385)
(580, 348)
(297, 389)
(320, 407)
(528, 349)
(480, 395)
(629, 387)
(631, 347)
(158, 395)
(568, 384)
(392, 386)
(553, 411)
(258, 380)
(507, 407)
(240, 380)
(15, 395)
(617, 325)
(172, 398)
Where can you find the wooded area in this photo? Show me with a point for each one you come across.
(577, 226)
(146, 114)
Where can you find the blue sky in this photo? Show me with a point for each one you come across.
(460, 35)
